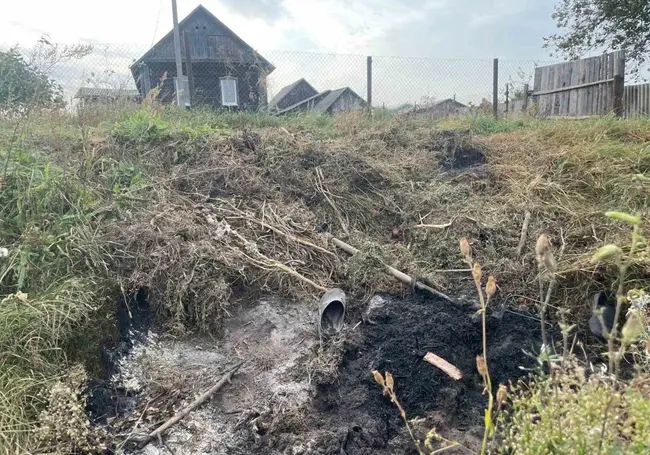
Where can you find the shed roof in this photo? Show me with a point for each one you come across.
(316, 98)
(324, 104)
(203, 10)
(96, 92)
(284, 91)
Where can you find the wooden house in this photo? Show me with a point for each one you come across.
(226, 72)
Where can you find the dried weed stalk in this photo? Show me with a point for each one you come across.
(387, 384)
(481, 360)
(547, 267)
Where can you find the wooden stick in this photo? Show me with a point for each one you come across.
(445, 366)
(401, 276)
(195, 404)
(524, 234)
(435, 226)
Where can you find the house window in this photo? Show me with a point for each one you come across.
(228, 91)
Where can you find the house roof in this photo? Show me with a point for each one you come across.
(285, 91)
(95, 92)
(202, 9)
(451, 101)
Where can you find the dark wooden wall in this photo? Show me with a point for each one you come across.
(208, 41)
(348, 101)
(251, 83)
(300, 92)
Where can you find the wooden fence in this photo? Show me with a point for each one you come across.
(580, 88)
(636, 100)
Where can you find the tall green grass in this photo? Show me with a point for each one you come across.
(51, 283)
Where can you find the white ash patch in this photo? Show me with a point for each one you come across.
(271, 336)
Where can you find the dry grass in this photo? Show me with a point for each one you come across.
(204, 209)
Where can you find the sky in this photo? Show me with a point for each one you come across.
(431, 29)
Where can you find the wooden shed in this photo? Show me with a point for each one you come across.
(439, 109)
(226, 71)
(96, 95)
(292, 94)
(329, 102)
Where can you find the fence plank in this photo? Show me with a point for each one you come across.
(572, 107)
(619, 82)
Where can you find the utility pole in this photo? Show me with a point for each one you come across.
(177, 53)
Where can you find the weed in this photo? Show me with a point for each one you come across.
(481, 360)
(387, 383)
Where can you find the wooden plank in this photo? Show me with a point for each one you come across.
(540, 99)
(566, 96)
(589, 68)
(592, 75)
(609, 107)
(582, 92)
(619, 82)
(557, 83)
(550, 83)
(537, 85)
(573, 95)
(573, 87)
(603, 105)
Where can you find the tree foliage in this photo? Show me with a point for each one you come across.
(602, 25)
(25, 81)
(22, 84)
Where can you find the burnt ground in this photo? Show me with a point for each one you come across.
(356, 415)
(300, 395)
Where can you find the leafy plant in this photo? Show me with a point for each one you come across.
(613, 253)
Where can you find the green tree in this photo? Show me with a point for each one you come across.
(22, 84)
(602, 25)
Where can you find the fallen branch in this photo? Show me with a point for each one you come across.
(286, 234)
(524, 234)
(452, 270)
(401, 276)
(226, 378)
(436, 226)
(445, 366)
(265, 263)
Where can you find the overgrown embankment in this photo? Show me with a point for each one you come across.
(205, 209)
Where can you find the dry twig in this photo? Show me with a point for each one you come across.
(205, 396)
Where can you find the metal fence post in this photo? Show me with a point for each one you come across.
(369, 83)
(495, 88)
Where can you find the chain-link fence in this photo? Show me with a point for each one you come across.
(290, 81)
